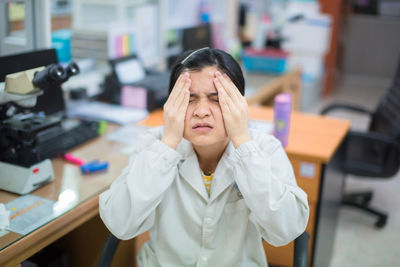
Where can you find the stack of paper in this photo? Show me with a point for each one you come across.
(108, 112)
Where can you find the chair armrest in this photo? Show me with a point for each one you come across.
(300, 258)
(371, 154)
(376, 137)
(110, 246)
(349, 107)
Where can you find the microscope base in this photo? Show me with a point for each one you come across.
(22, 180)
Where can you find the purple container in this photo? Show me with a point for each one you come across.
(282, 110)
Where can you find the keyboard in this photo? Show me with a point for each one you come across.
(69, 137)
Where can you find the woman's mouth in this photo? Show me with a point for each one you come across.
(202, 127)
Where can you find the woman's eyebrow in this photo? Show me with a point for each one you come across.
(208, 94)
(212, 94)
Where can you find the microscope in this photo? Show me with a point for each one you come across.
(22, 168)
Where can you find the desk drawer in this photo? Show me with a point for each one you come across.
(308, 177)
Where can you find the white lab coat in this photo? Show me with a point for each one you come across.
(253, 195)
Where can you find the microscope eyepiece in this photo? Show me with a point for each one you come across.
(72, 69)
(54, 75)
(57, 73)
(51, 75)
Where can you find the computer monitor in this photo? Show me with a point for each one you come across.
(52, 101)
(128, 69)
(196, 37)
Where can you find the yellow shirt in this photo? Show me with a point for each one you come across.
(207, 181)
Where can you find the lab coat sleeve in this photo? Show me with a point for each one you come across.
(264, 175)
(128, 207)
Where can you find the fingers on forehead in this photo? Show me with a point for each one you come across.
(181, 79)
(228, 86)
(182, 83)
(229, 80)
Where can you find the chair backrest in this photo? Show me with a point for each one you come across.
(396, 79)
(386, 118)
(374, 157)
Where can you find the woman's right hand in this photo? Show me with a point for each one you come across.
(175, 111)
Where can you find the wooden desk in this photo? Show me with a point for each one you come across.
(314, 142)
(15, 248)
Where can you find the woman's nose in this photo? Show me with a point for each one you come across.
(202, 109)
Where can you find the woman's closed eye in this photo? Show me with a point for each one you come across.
(213, 97)
(192, 98)
(214, 100)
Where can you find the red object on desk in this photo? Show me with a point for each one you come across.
(73, 159)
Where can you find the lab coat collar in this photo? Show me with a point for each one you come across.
(223, 176)
(190, 171)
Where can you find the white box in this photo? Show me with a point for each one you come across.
(309, 35)
(311, 64)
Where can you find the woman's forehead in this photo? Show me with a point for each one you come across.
(202, 81)
(207, 70)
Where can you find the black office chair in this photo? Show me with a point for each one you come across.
(376, 152)
(300, 258)
(108, 252)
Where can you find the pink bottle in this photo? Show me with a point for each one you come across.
(282, 110)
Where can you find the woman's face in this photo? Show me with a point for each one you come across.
(204, 123)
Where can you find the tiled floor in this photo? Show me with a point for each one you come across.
(358, 242)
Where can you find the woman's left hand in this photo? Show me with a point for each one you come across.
(235, 110)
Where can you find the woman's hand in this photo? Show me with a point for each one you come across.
(175, 111)
(235, 110)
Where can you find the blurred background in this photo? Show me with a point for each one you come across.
(329, 40)
(347, 50)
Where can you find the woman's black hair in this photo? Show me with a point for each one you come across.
(196, 60)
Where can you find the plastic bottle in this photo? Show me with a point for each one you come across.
(204, 11)
(282, 110)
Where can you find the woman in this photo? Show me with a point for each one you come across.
(205, 185)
